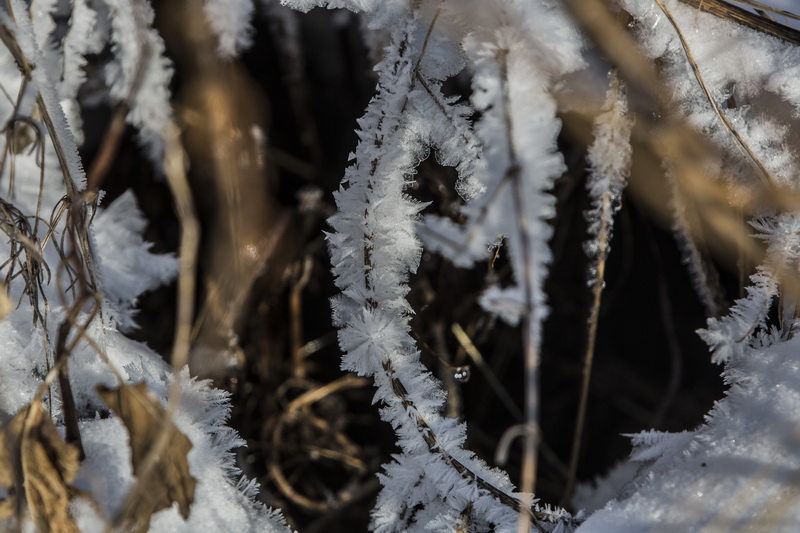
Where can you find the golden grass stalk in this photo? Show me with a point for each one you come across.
(757, 22)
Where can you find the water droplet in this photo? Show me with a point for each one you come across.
(462, 374)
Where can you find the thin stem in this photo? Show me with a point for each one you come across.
(474, 354)
(530, 337)
(760, 22)
(742, 146)
(588, 356)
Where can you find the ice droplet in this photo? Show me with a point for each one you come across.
(462, 374)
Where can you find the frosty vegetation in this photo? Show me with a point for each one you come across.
(91, 418)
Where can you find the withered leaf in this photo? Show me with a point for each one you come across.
(36, 467)
(169, 479)
(6, 305)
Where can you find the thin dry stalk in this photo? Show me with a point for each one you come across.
(602, 239)
(116, 126)
(767, 9)
(347, 452)
(740, 143)
(296, 310)
(68, 408)
(529, 340)
(472, 351)
(424, 49)
(454, 407)
(588, 356)
(175, 170)
(760, 23)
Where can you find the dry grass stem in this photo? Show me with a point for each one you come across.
(741, 145)
(761, 23)
(501, 390)
(339, 448)
(296, 310)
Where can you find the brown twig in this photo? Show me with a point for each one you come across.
(296, 324)
(736, 14)
(472, 351)
(70, 412)
(740, 143)
(299, 410)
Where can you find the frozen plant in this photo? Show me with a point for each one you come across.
(522, 57)
(98, 431)
(104, 416)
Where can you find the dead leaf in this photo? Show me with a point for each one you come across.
(6, 305)
(36, 467)
(169, 479)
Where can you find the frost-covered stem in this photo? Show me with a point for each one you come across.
(20, 42)
(609, 157)
(588, 356)
(763, 174)
(374, 248)
(530, 325)
(435, 446)
(687, 234)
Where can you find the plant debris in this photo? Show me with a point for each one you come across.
(168, 480)
(36, 467)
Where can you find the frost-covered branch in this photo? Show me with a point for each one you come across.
(374, 249)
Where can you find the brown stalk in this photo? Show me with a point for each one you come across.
(588, 356)
(299, 408)
(602, 239)
(501, 390)
(70, 412)
(223, 116)
(174, 166)
(116, 126)
(296, 310)
(741, 145)
(733, 13)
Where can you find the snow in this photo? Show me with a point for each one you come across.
(127, 265)
(737, 471)
(140, 72)
(224, 499)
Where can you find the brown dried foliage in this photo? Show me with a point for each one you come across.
(36, 468)
(167, 480)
